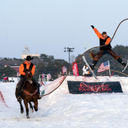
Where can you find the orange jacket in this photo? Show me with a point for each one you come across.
(21, 68)
(101, 37)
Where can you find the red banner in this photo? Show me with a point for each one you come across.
(75, 69)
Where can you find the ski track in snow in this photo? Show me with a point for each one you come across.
(66, 111)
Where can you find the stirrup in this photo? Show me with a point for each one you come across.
(19, 98)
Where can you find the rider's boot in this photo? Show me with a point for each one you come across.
(38, 88)
(93, 64)
(92, 55)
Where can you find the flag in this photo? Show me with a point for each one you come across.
(104, 66)
(64, 70)
(75, 69)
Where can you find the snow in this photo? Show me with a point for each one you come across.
(63, 110)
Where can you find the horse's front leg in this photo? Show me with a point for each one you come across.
(36, 105)
(27, 110)
(30, 104)
(21, 106)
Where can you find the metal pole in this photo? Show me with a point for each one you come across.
(109, 69)
(69, 61)
(69, 56)
(69, 50)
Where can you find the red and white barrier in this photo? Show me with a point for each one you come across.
(2, 99)
(53, 86)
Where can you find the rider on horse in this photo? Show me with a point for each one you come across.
(26, 66)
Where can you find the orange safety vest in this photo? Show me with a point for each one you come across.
(26, 66)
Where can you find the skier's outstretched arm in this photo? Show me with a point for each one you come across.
(97, 32)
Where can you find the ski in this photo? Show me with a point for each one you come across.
(125, 67)
(84, 59)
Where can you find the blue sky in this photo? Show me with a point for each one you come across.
(47, 26)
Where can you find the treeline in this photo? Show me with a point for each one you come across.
(7, 71)
(45, 64)
(48, 64)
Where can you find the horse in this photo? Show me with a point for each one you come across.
(29, 94)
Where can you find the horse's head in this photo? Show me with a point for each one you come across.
(29, 76)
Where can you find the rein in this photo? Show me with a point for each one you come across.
(30, 94)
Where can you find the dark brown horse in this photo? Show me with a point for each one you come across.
(28, 95)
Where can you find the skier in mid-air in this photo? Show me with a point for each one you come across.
(105, 48)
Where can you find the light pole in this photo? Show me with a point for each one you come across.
(69, 50)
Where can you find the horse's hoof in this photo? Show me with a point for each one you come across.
(32, 110)
(28, 117)
(22, 112)
(36, 109)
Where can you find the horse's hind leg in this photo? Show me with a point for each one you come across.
(27, 110)
(21, 106)
(30, 104)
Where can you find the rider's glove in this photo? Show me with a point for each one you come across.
(92, 26)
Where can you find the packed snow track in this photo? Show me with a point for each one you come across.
(60, 110)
